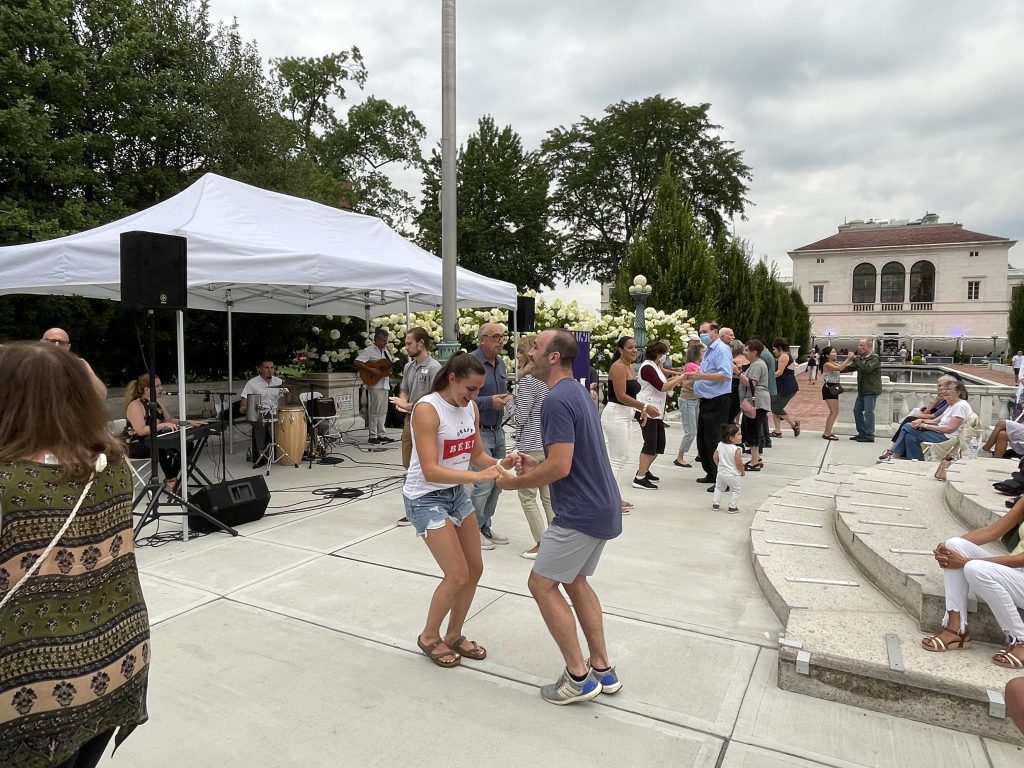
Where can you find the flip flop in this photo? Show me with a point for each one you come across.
(437, 656)
(468, 648)
(796, 429)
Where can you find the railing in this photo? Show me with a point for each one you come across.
(898, 399)
(892, 307)
(920, 306)
(863, 307)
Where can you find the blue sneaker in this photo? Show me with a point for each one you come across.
(568, 691)
(609, 681)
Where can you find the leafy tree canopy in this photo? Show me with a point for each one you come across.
(503, 208)
(606, 171)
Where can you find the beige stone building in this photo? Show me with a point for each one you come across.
(919, 283)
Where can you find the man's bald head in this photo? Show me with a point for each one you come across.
(59, 337)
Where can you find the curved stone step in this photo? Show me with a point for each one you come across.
(969, 494)
(835, 643)
(889, 519)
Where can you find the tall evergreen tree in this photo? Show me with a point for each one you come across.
(673, 253)
(1016, 319)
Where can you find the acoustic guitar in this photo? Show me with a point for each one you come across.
(378, 369)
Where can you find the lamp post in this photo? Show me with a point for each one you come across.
(995, 339)
(640, 290)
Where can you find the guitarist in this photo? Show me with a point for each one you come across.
(374, 365)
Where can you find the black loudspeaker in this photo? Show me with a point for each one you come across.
(525, 314)
(233, 502)
(153, 271)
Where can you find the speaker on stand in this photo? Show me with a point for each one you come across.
(526, 307)
(153, 271)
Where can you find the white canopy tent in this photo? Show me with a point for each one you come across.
(255, 251)
(263, 251)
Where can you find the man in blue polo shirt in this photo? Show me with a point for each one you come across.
(713, 385)
(491, 401)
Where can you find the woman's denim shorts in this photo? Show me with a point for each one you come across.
(432, 510)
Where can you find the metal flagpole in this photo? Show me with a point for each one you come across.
(449, 236)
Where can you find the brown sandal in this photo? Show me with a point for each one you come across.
(1006, 659)
(468, 648)
(438, 656)
(935, 644)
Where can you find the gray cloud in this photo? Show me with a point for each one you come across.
(843, 110)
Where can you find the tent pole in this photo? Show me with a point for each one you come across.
(182, 415)
(231, 380)
(408, 314)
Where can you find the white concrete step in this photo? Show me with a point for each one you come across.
(969, 494)
(889, 518)
(836, 643)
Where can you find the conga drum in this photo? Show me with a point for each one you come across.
(290, 433)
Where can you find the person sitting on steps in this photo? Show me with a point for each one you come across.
(998, 580)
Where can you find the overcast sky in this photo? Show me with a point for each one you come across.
(851, 110)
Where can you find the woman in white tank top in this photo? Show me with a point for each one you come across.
(445, 440)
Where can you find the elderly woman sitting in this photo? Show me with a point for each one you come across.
(996, 579)
(911, 437)
(930, 412)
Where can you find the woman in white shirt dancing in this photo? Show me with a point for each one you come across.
(445, 439)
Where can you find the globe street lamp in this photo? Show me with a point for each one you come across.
(995, 338)
(640, 290)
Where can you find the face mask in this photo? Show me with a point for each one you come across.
(705, 338)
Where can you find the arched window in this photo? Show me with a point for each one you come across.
(893, 279)
(922, 282)
(864, 284)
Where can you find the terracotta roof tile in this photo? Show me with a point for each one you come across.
(935, 234)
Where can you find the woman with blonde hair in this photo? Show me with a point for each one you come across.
(74, 661)
(138, 395)
(530, 394)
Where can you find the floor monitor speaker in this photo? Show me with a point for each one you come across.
(153, 271)
(525, 314)
(233, 502)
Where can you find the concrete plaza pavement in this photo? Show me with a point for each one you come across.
(294, 643)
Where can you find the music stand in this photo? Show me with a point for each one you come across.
(317, 442)
(154, 488)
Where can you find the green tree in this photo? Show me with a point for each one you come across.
(605, 173)
(1015, 328)
(801, 322)
(341, 160)
(673, 253)
(503, 208)
(736, 296)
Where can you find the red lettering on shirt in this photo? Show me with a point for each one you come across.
(458, 447)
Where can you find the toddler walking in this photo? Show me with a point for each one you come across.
(729, 458)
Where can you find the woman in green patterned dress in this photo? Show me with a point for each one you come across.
(74, 632)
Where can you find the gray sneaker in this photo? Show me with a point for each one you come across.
(609, 681)
(485, 543)
(495, 538)
(568, 691)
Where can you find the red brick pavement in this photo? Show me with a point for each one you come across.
(809, 409)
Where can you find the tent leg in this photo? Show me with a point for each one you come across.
(182, 415)
(408, 314)
(230, 424)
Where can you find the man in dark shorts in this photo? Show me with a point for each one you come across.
(588, 512)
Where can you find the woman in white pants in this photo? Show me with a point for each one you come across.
(621, 429)
(996, 579)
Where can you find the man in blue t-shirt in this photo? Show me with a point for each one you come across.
(588, 512)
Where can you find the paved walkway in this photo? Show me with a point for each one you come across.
(294, 644)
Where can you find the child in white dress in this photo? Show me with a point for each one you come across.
(729, 458)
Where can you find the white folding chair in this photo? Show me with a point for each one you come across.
(139, 467)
